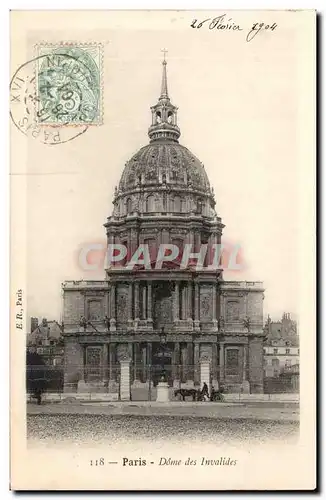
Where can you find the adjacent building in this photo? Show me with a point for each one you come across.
(46, 339)
(282, 353)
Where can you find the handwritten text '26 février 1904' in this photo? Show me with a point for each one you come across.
(224, 24)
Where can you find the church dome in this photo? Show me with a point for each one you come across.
(164, 162)
(164, 177)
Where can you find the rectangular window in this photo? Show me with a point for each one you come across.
(232, 362)
(93, 362)
(275, 351)
(232, 310)
(275, 362)
(287, 351)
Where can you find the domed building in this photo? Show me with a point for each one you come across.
(163, 318)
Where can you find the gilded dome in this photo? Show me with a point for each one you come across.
(164, 162)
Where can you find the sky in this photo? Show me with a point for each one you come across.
(239, 113)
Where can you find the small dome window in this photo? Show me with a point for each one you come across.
(129, 205)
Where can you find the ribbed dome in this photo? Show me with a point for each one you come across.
(164, 162)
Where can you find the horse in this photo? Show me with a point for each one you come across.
(186, 392)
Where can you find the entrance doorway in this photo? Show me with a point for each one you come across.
(161, 365)
(163, 305)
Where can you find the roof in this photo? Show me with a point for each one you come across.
(282, 333)
(49, 331)
(164, 162)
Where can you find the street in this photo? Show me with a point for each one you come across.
(122, 422)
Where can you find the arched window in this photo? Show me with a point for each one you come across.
(177, 204)
(129, 205)
(158, 117)
(150, 203)
(199, 205)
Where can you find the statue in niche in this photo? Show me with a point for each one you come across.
(247, 323)
(205, 306)
(122, 307)
(221, 323)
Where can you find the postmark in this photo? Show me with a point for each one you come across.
(56, 96)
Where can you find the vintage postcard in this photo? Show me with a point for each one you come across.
(163, 250)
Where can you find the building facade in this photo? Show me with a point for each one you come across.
(46, 340)
(140, 323)
(281, 347)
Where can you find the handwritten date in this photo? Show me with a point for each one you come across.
(224, 24)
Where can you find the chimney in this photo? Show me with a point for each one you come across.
(34, 324)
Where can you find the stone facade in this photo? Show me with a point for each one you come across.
(186, 323)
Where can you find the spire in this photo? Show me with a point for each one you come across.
(164, 86)
(164, 114)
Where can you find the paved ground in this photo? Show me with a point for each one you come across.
(263, 411)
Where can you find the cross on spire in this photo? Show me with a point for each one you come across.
(165, 51)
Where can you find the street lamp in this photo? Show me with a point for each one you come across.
(162, 352)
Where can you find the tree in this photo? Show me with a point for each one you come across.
(35, 375)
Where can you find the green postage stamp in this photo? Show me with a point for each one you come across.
(69, 83)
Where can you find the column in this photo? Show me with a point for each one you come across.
(176, 363)
(212, 249)
(204, 372)
(255, 368)
(196, 364)
(108, 307)
(184, 367)
(189, 296)
(125, 380)
(149, 302)
(176, 302)
(136, 360)
(81, 386)
(144, 302)
(214, 365)
(144, 362)
(108, 264)
(112, 371)
(112, 308)
(137, 301)
(196, 322)
(190, 361)
(184, 305)
(214, 303)
(149, 368)
(105, 364)
(191, 239)
(221, 363)
(83, 360)
(222, 305)
(131, 358)
(245, 382)
(133, 242)
(244, 367)
(130, 304)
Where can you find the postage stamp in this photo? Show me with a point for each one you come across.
(68, 83)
